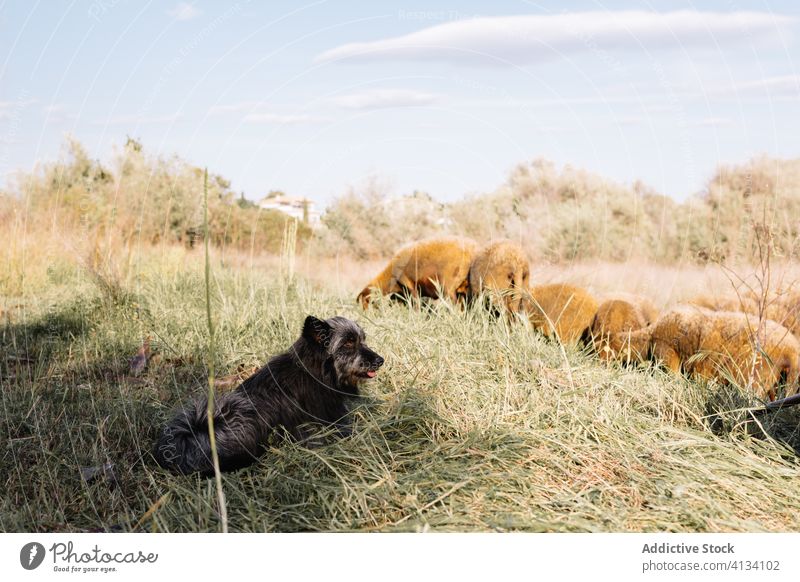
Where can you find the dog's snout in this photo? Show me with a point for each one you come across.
(371, 358)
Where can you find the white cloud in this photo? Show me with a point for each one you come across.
(655, 110)
(54, 109)
(9, 109)
(382, 98)
(256, 112)
(282, 119)
(532, 38)
(781, 86)
(629, 121)
(713, 122)
(550, 128)
(184, 11)
(236, 107)
(55, 113)
(136, 119)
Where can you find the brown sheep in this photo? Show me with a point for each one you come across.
(501, 270)
(648, 309)
(746, 303)
(787, 312)
(562, 310)
(616, 318)
(783, 308)
(637, 344)
(720, 345)
(420, 268)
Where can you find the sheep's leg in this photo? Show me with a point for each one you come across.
(668, 357)
(409, 287)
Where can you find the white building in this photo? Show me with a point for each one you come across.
(299, 208)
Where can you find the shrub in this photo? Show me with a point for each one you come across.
(369, 224)
(145, 199)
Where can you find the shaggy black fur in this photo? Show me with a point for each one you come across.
(309, 384)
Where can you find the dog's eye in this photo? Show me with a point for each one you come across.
(350, 345)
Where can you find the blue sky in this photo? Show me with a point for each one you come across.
(439, 96)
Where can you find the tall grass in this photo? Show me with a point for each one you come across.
(210, 409)
(288, 251)
(473, 424)
(137, 198)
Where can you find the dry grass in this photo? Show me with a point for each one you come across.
(473, 424)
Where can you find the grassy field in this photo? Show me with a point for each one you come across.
(472, 425)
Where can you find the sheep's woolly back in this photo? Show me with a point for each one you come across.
(677, 335)
(419, 268)
(745, 303)
(730, 347)
(501, 269)
(565, 311)
(783, 308)
(616, 318)
(644, 304)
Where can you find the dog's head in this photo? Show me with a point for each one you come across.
(344, 343)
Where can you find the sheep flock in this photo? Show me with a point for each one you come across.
(742, 340)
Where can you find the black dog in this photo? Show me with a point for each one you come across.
(309, 384)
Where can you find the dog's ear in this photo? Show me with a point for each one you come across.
(316, 331)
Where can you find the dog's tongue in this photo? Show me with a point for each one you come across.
(371, 373)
